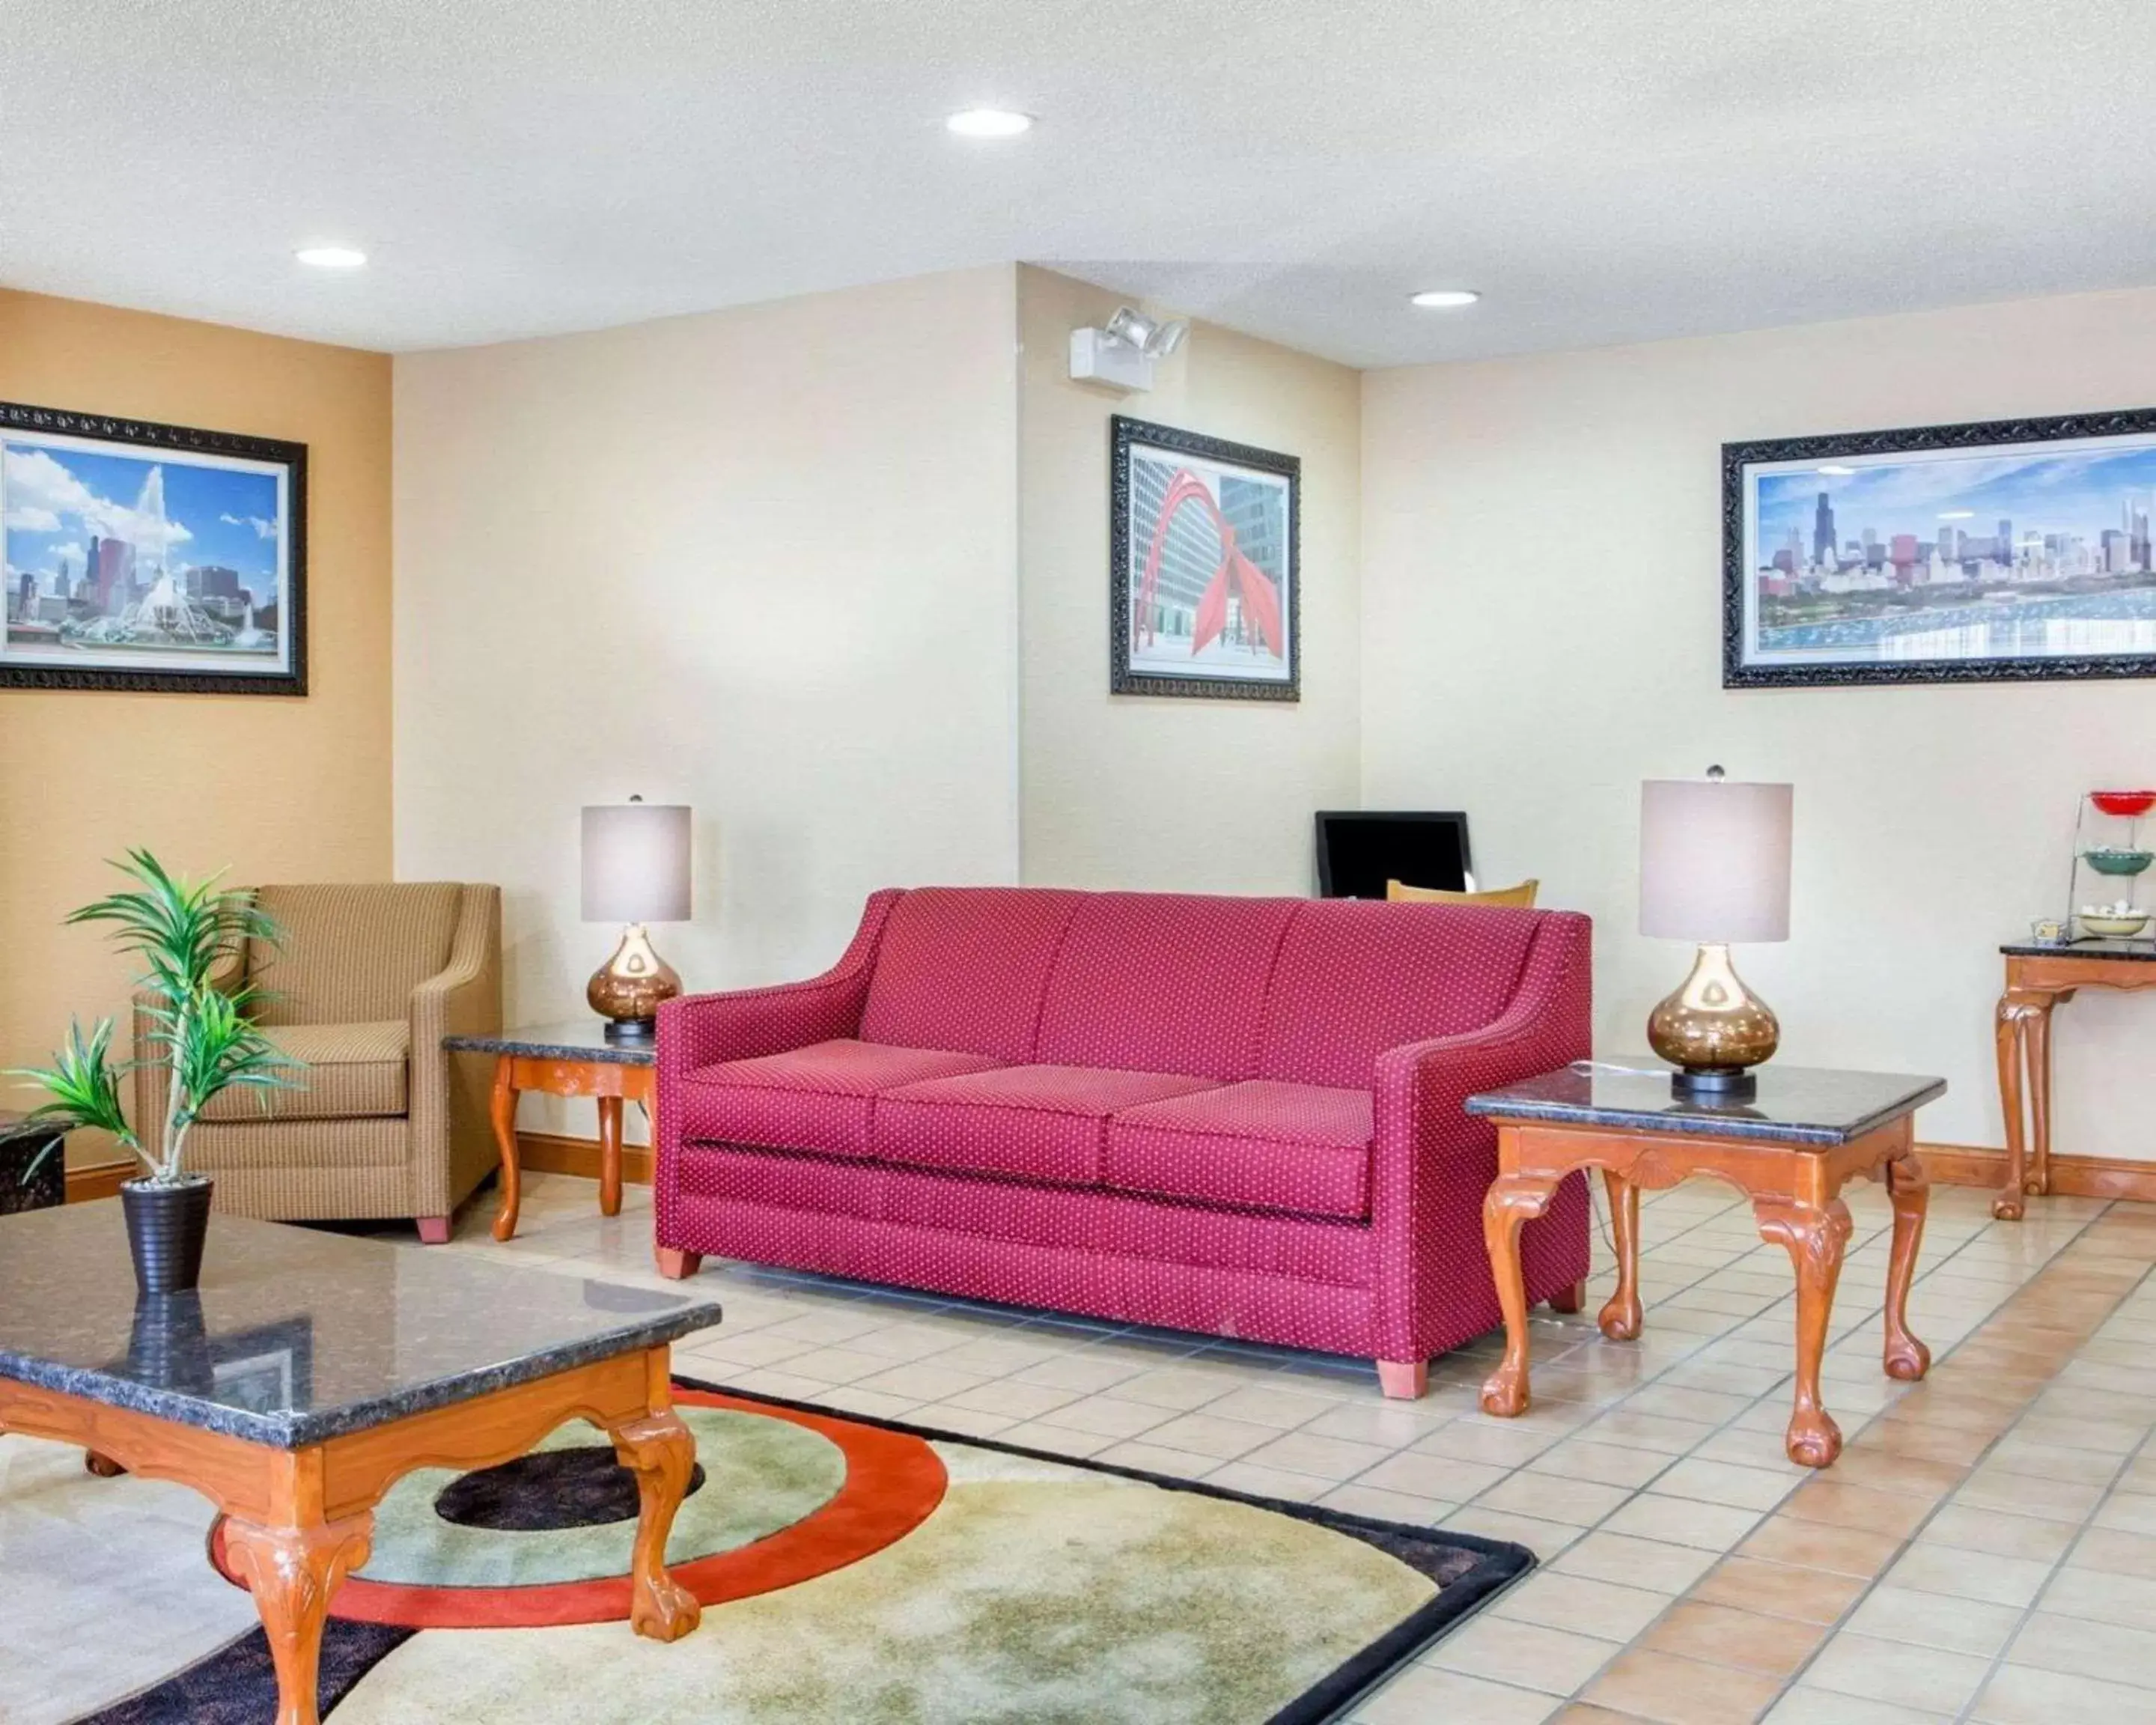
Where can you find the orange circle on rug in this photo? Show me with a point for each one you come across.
(893, 1483)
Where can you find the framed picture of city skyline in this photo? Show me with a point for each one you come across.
(2007, 550)
(1204, 572)
(156, 558)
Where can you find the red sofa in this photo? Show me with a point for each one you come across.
(1230, 1115)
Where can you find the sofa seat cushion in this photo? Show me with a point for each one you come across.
(1044, 1123)
(350, 1072)
(1299, 1147)
(813, 1098)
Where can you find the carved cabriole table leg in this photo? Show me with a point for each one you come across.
(1815, 1237)
(658, 1449)
(1907, 1359)
(1621, 1317)
(292, 1571)
(1513, 1199)
(503, 1109)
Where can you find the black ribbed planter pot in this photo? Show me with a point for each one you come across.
(165, 1228)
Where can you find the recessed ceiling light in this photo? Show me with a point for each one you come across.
(331, 257)
(1838, 472)
(989, 123)
(1444, 298)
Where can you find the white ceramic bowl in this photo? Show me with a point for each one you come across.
(2115, 927)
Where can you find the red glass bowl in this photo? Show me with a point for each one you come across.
(2126, 803)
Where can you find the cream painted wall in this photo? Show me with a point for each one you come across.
(1542, 610)
(1212, 796)
(759, 561)
(274, 787)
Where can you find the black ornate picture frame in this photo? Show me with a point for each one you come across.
(159, 558)
(1205, 565)
(1845, 560)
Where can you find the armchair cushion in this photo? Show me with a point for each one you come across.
(352, 1072)
(1298, 1147)
(1037, 1122)
(814, 1098)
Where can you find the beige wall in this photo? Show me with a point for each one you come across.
(274, 787)
(1541, 617)
(1144, 792)
(758, 560)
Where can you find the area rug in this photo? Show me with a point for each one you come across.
(851, 1569)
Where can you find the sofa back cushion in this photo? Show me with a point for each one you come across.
(965, 967)
(353, 952)
(1355, 977)
(1163, 983)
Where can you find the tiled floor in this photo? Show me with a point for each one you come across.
(1985, 1550)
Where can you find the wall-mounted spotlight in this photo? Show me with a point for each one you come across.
(1123, 354)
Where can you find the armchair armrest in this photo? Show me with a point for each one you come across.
(150, 1080)
(464, 995)
(1432, 1162)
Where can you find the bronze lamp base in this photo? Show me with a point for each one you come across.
(626, 989)
(1714, 1029)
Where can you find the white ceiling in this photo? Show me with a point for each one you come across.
(1603, 170)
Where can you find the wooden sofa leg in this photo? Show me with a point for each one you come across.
(1403, 1380)
(433, 1230)
(676, 1265)
(1570, 1300)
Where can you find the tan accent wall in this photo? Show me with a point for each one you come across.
(1144, 792)
(1542, 606)
(278, 788)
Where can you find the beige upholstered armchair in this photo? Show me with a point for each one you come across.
(367, 982)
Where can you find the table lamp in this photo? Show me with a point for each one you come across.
(1714, 867)
(636, 870)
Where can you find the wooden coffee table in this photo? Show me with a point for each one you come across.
(1790, 1148)
(311, 1370)
(571, 1058)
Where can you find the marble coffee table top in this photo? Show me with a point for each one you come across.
(571, 1039)
(297, 1335)
(1794, 1105)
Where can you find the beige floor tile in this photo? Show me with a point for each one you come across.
(1806, 1705)
(1495, 1445)
(1554, 1497)
(2122, 1653)
(1727, 1483)
(1893, 1613)
(1334, 1459)
(1644, 1684)
(1525, 1655)
(1004, 1395)
(1157, 1458)
(1722, 1634)
(1427, 1476)
(1277, 1483)
(2115, 1553)
(1282, 1409)
(1583, 1606)
(1925, 1678)
(1423, 1694)
(1815, 1596)
(1628, 1426)
(2026, 1537)
(1680, 1521)
(2017, 1695)
(1782, 1538)
(1204, 1435)
(1358, 1500)
(1947, 1570)
(1607, 1464)
(1111, 1416)
(2102, 1598)
(1181, 1389)
(1056, 1440)
(1650, 1564)
(1545, 1539)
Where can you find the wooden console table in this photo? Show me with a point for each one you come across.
(2037, 980)
(566, 1059)
(1790, 1149)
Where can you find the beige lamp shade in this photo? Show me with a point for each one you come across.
(1714, 861)
(636, 862)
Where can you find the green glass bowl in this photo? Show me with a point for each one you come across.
(2119, 862)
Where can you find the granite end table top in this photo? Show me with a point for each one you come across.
(571, 1039)
(297, 1336)
(2141, 949)
(1794, 1105)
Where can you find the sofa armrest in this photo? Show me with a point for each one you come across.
(701, 1030)
(1433, 1163)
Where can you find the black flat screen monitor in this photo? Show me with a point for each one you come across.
(1358, 852)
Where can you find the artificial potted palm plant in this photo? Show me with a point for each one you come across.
(191, 936)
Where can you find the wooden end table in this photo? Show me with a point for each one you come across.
(378, 1360)
(2037, 980)
(1790, 1149)
(573, 1059)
